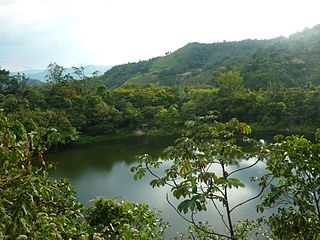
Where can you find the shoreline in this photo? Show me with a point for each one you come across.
(256, 132)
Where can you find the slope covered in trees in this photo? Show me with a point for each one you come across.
(292, 61)
(35, 206)
(87, 107)
(271, 84)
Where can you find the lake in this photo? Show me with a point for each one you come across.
(103, 169)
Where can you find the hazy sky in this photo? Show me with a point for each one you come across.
(34, 33)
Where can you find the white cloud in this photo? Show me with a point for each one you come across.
(118, 31)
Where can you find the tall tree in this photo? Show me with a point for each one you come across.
(199, 173)
(230, 80)
(8, 84)
(294, 164)
(56, 73)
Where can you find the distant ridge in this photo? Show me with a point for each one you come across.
(292, 61)
(40, 74)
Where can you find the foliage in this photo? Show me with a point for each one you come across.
(125, 220)
(203, 232)
(35, 206)
(11, 84)
(121, 72)
(199, 173)
(230, 80)
(294, 163)
(60, 111)
(32, 204)
(270, 84)
(292, 61)
(245, 229)
(56, 73)
(88, 107)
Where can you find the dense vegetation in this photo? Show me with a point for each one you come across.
(35, 206)
(197, 170)
(269, 84)
(292, 61)
(88, 107)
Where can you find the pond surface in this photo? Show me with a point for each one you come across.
(103, 169)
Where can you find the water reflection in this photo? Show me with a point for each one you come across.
(104, 170)
(76, 161)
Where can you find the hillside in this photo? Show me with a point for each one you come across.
(292, 61)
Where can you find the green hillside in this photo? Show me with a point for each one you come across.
(292, 61)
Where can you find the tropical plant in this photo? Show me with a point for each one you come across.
(200, 170)
(293, 162)
(125, 220)
(33, 205)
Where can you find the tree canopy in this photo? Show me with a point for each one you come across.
(292, 62)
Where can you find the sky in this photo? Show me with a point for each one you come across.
(34, 33)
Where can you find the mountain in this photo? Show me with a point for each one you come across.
(40, 74)
(292, 61)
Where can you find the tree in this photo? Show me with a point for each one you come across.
(36, 206)
(125, 220)
(10, 84)
(199, 102)
(168, 120)
(294, 164)
(56, 73)
(32, 205)
(199, 172)
(79, 71)
(230, 80)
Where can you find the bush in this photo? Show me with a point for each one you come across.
(35, 206)
(125, 220)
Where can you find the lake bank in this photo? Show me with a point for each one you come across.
(103, 169)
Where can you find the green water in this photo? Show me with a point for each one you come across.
(103, 169)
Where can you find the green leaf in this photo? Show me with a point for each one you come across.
(244, 128)
(234, 182)
(186, 204)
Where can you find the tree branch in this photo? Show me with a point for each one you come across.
(221, 215)
(217, 209)
(252, 198)
(184, 218)
(317, 204)
(205, 231)
(156, 176)
(244, 168)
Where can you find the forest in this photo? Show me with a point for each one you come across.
(291, 62)
(212, 96)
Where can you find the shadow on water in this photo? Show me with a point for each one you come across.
(72, 162)
(103, 169)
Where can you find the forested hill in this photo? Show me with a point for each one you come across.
(292, 61)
